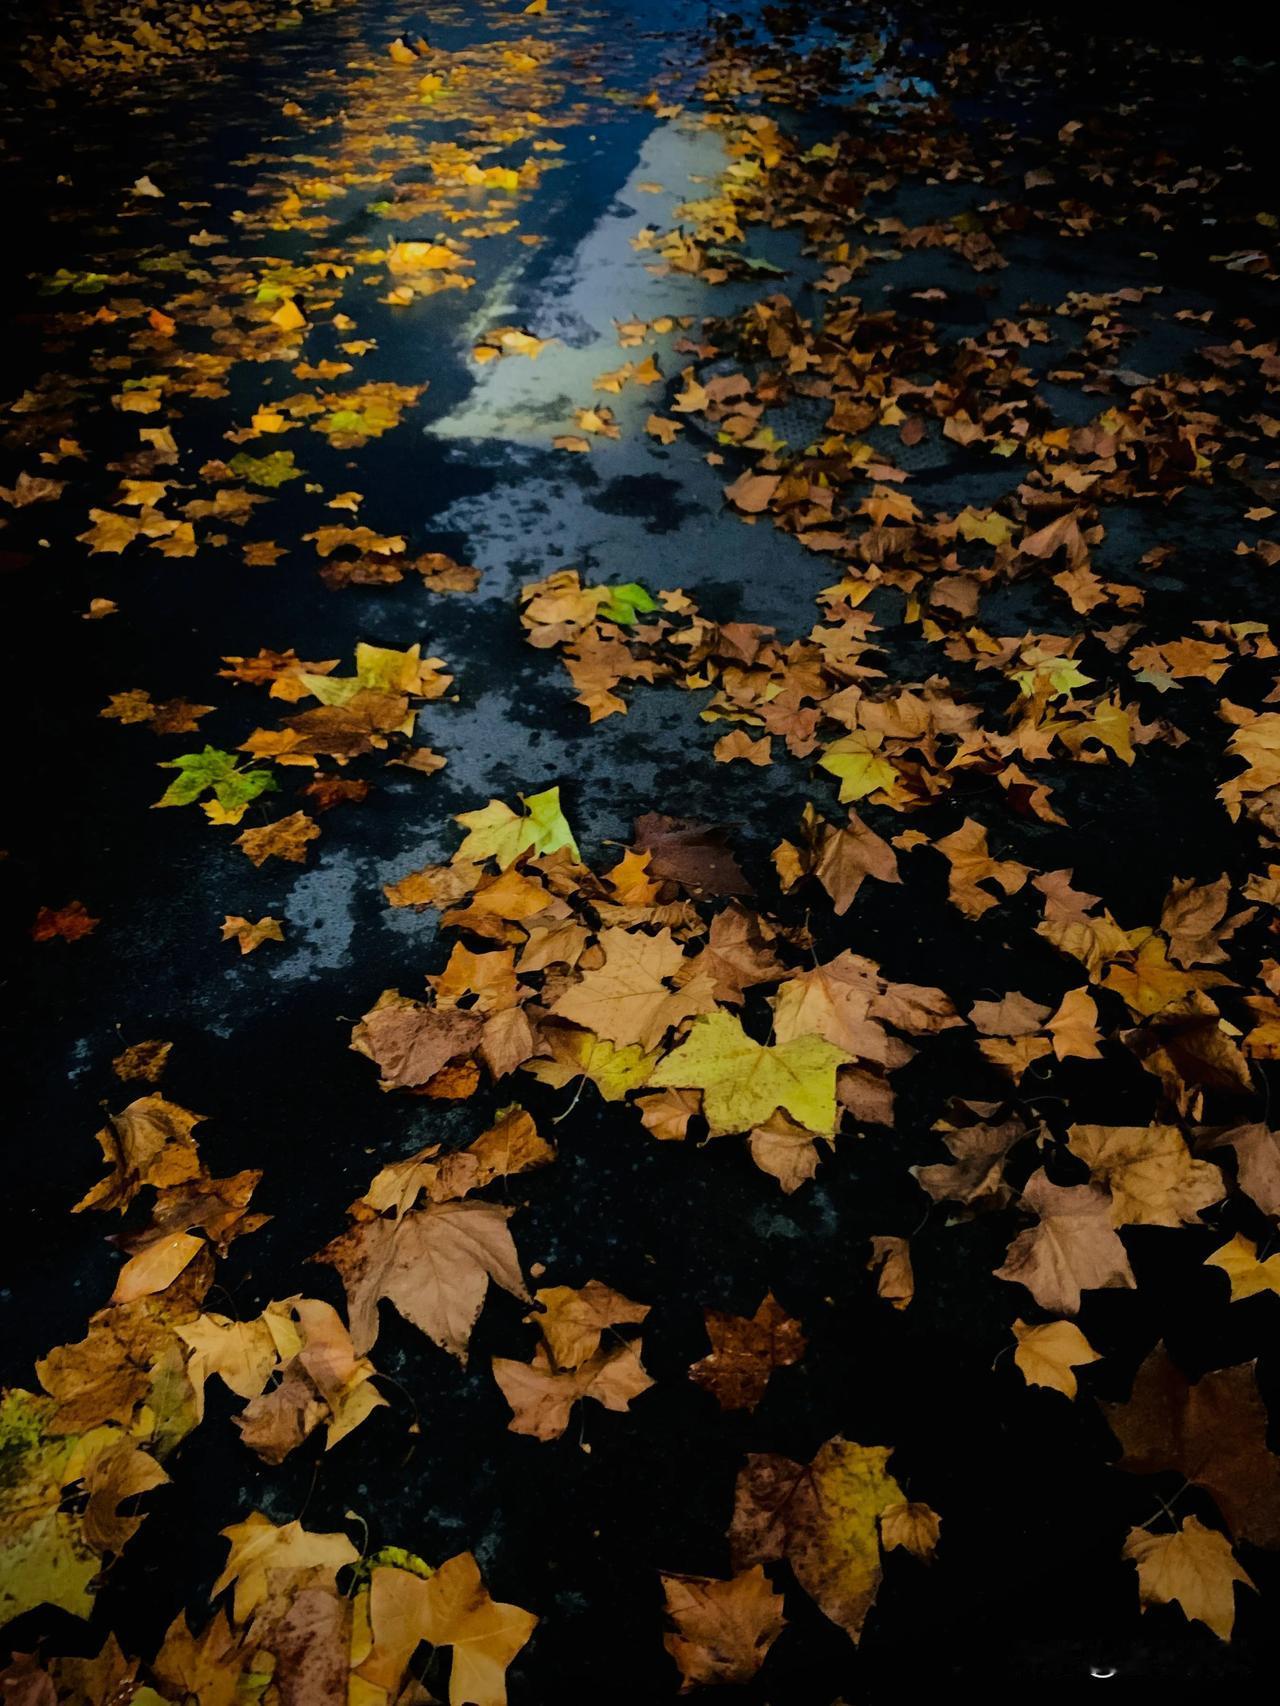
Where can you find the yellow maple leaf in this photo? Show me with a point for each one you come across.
(450, 1608)
(1049, 1354)
(627, 999)
(288, 316)
(110, 532)
(1194, 1568)
(251, 936)
(581, 1054)
(1248, 1276)
(743, 1082)
(260, 1550)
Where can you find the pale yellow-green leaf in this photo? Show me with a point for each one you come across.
(743, 1082)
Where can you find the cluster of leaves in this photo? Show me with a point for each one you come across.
(665, 985)
(125, 44)
(169, 328)
(116, 1404)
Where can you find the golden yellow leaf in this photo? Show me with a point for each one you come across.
(251, 936)
(1049, 1354)
(287, 838)
(1248, 1276)
(1153, 1178)
(288, 317)
(1194, 1567)
(260, 1550)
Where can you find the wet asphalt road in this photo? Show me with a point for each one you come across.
(261, 1043)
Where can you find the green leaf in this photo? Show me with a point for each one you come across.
(625, 603)
(217, 771)
(496, 832)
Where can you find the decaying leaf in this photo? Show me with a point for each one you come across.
(745, 1350)
(1213, 1432)
(723, 1629)
(823, 1518)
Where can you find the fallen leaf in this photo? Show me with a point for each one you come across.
(745, 1350)
(743, 1082)
(913, 1527)
(891, 1264)
(1072, 1247)
(724, 1629)
(1193, 1567)
(1213, 1432)
(433, 1264)
(451, 1608)
(1049, 1354)
(1238, 1259)
(68, 923)
(260, 1553)
(822, 1518)
(1152, 1177)
(251, 936)
(145, 1061)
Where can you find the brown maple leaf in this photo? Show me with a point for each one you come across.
(542, 1396)
(433, 1264)
(913, 1527)
(1213, 1432)
(324, 1382)
(1152, 1177)
(511, 1145)
(573, 1319)
(972, 866)
(1257, 1152)
(569, 1363)
(745, 1350)
(841, 857)
(737, 956)
(286, 838)
(980, 1149)
(724, 1629)
(148, 1143)
(1193, 1567)
(311, 1647)
(410, 1043)
(628, 999)
(66, 923)
(145, 1061)
(785, 1151)
(1072, 1247)
(695, 856)
(326, 792)
(822, 1517)
(891, 1264)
